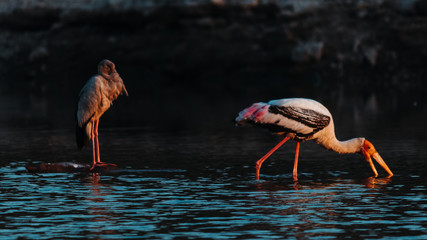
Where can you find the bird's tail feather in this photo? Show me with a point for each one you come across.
(252, 114)
(259, 115)
(83, 135)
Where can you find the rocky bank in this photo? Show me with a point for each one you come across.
(209, 61)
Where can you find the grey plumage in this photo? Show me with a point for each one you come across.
(95, 98)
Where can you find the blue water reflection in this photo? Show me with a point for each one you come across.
(200, 194)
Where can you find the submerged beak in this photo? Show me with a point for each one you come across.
(380, 161)
(369, 151)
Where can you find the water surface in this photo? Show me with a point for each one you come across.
(202, 186)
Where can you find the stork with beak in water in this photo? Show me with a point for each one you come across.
(96, 97)
(301, 119)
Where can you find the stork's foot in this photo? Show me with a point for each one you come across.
(102, 166)
(294, 176)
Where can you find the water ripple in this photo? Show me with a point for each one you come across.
(210, 201)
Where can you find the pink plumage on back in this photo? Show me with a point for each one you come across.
(253, 113)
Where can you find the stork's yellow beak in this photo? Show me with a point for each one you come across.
(369, 152)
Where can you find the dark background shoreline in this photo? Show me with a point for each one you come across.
(190, 67)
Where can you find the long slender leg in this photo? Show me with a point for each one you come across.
(261, 160)
(93, 144)
(294, 174)
(98, 157)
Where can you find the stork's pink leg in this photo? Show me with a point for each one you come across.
(98, 157)
(93, 145)
(294, 174)
(261, 160)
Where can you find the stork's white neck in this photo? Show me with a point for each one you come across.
(328, 140)
(349, 146)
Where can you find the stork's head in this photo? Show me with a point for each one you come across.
(369, 152)
(106, 68)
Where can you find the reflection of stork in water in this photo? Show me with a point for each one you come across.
(302, 119)
(94, 99)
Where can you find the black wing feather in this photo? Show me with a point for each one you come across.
(308, 117)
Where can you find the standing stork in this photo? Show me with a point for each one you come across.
(303, 119)
(96, 97)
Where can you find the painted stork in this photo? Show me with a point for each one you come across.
(303, 119)
(96, 97)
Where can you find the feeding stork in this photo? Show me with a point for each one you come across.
(302, 119)
(96, 97)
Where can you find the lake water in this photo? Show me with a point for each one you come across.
(201, 185)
